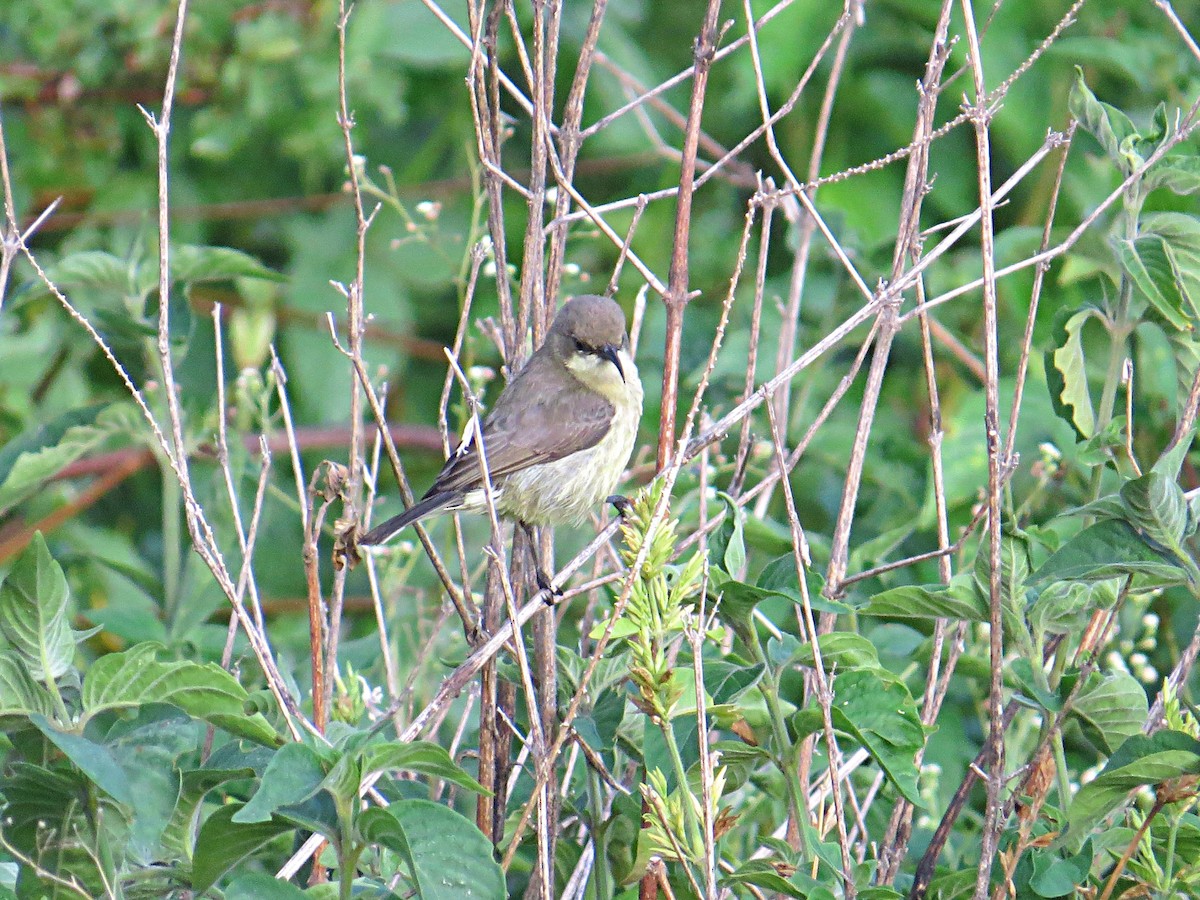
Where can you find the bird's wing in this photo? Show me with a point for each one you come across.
(529, 431)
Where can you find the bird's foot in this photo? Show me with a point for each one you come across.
(620, 503)
(545, 584)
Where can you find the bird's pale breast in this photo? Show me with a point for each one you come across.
(566, 490)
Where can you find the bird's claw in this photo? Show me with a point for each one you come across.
(621, 504)
(545, 584)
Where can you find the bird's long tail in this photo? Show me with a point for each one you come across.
(431, 504)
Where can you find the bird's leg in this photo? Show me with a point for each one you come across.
(543, 580)
(620, 503)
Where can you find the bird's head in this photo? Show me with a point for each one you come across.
(588, 337)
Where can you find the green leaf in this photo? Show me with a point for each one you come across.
(737, 600)
(20, 695)
(1061, 608)
(882, 717)
(44, 818)
(779, 576)
(1066, 375)
(841, 650)
(1106, 550)
(958, 600)
(148, 748)
(94, 269)
(448, 857)
(1054, 876)
(1014, 572)
(260, 886)
(728, 545)
(761, 874)
(1141, 760)
(1150, 263)
(726, 681)
(1171, 461)
(419, 756)
(1156, 507)
(346, 777)
(136, 677)
(179, 835)
(94, 760)
(192, 264)
(33, 612)
(294, 774)
(223, 844)
(1180, 174)
(34, 456)
(1105, 123)
(1111, 708)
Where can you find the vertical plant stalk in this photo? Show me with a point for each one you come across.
(981, 117)
(175, 448)
(768, 203)
(677, 296)
(350, 493)
(895, 841)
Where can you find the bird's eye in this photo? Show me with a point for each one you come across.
(580, 346)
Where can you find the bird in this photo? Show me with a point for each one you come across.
(559, 435)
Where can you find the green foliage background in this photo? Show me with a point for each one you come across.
(258, 165)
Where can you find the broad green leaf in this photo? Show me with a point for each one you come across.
(1150, 263)
(448, 857)
(294, 774)
(1182, 233)
(20, 695)
(1180, 174)
(261, 886)
(94, 269)
(1061, 608)
(779, 575)
(1141, 760)
(94, 760)
(761, 873)
(1105, 123)
(148, 748)
(737, 601)
(179, 836)
(1014, 573)
(204, 691)
(958, 600)
(29, 459)
(33, 612)
(190, 263)
(882, 717)
(1112, 708)
(1066, 375)
(1054, 876)
(726, 681)
(1106, 550)
(841, 650)
(1156, 508)
(419, 756)
(223, 844)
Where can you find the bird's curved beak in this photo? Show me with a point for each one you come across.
(611, 353)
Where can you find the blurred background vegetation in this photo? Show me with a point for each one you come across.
(258, 164)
